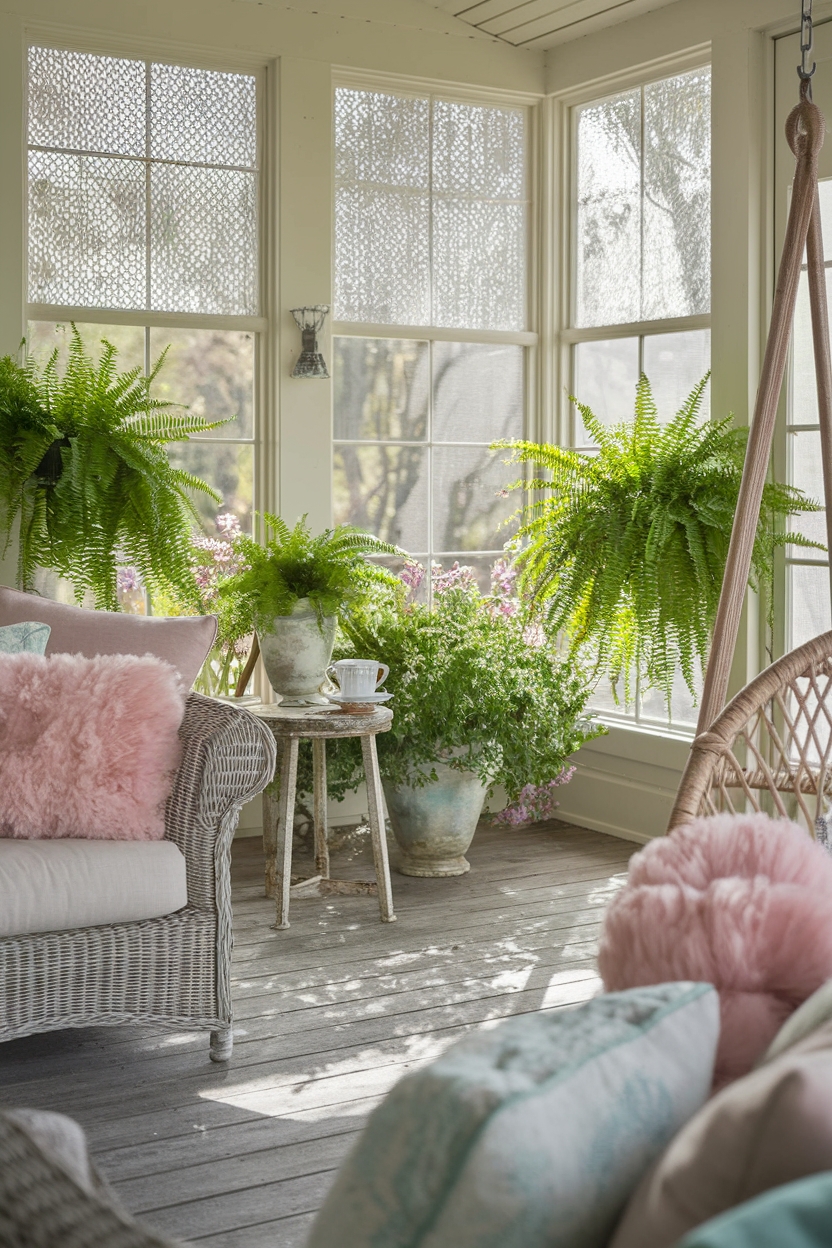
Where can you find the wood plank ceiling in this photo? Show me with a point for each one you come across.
(544, 23)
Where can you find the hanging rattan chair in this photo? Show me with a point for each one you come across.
(769, 748)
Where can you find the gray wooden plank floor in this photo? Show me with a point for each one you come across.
(329, 1014)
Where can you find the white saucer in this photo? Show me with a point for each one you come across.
(358, 699)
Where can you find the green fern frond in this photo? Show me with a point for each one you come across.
(625, 551)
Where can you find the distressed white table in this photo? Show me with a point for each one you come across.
(291, 724)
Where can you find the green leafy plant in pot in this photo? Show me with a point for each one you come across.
(291, 591)
(84, 468)
(481, 700)
(625, 549)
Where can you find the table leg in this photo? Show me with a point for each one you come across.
(285, 827)
(374, 803)
(319, 807)
(271, 803)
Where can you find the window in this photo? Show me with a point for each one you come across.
(143, 228)
(431, 215)
(807, 575)
(640, 284)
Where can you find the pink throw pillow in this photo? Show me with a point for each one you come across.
(88, 747)
(741, 902)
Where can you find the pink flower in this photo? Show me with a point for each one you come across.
(458, 576)
(534, 803)
(412, 575)
(128, 581)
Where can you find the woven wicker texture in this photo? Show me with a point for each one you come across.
(174, 970)
(771, 748)
(41, 1206)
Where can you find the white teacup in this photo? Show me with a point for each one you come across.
(356, 678)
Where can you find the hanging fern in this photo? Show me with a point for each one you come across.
(85, 468)
(330, 570)
(626, 549)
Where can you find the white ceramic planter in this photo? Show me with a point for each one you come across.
(434, 825)
(296, 652)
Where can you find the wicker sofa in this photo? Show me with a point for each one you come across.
(171, 971)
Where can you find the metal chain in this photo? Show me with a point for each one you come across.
(807, 40)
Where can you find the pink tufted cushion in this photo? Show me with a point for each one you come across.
(741, 902)
(182, 641)
(88, 747)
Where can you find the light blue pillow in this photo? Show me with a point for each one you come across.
(28, 637)
(530, 1135)
(796, 1215)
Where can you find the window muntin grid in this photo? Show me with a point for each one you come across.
(431, 223)
(640, 248)
(143, 197)
(139, 197)
(431, 210)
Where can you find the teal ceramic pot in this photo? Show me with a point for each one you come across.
(434, 825)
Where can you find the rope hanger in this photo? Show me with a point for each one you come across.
(805, 128)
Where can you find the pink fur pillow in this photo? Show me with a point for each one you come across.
(88, 747)
(741, 902)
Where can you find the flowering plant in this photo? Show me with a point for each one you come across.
(214, 561)
(476, 685)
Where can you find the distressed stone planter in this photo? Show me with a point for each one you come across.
(296, 653)
(434, 825)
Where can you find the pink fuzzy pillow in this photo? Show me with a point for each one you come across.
(741, 902)
(88, 747)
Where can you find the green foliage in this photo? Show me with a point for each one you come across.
(469, 679)
(331, 570)
(625, 551)
(84, 466)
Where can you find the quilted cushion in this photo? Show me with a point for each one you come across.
(53, 886)
(530, 1135)
(183, 641)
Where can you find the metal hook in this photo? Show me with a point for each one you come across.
(807, 39)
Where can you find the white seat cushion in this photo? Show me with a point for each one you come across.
(51, 886)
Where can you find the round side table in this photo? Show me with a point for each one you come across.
(290, 724)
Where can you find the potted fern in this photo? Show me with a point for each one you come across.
(84, 469)
(625, 549)
(291, 590)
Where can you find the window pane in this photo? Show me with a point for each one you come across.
(211, 371)
(479, 220)
(478, 151)
(643, 203)
(381, 388)
(382, 269)
(43, 337)
(86, 231)
(468, 506)
(382, 247)
(675, 363)
(676, 257)
(807, 475)
(204, 116)
(229, 469)
(809, 602)
(608, 225)
(384, 490)
(86, 103)
(803, 395)
(203, 243)
(606, 375)
(479, 264)
(477, 392)
(382, 138)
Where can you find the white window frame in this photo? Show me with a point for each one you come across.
(259, 325)
(559, 226)
(528, 338)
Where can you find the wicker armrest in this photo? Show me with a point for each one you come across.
(228, 758)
